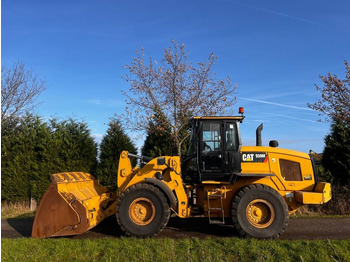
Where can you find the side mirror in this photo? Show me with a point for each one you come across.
(160, 161)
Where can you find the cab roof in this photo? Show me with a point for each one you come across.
(240, 118)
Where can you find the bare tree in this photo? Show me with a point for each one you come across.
(335, 97)
(176, 90)
(20, 89)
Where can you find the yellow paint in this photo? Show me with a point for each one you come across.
(172, 178)
(321, 195)
(260, 213)
(83, 187)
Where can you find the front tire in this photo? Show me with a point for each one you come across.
(259, 211)
(142, 210)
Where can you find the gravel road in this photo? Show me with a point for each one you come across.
(298, 228)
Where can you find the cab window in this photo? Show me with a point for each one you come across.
(211, 137)
(231, 137)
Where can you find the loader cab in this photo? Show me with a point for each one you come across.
(214, 152)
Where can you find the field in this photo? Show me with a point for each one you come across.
(165, 249)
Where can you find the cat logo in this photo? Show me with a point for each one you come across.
(248, 157)
(254, 157)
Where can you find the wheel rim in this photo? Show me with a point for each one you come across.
(142, 211)
(260, 213)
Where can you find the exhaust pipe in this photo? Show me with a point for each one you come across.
(258, 135)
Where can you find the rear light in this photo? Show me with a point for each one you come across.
(241, 110)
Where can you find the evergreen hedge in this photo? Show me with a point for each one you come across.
(32, 150)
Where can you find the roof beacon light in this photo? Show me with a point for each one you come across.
(241, 110)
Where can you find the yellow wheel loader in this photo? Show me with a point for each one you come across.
(255, 187)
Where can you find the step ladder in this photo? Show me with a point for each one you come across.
(212, 195)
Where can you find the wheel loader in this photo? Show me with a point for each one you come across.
(255, 188)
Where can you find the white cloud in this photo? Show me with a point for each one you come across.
(94, 101)
(106, 103)
(278, 13)
(276, 104)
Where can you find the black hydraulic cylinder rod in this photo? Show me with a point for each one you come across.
(143, 158)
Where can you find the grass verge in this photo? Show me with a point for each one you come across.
(16, 210)
(163, 249)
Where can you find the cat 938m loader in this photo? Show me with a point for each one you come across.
(254, 187)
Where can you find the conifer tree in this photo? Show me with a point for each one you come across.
(113, 143)
(158, 141)
(78, 150)
(23, 158)
(336, 155)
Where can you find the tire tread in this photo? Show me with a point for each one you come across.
(148, 187)
(254, 187)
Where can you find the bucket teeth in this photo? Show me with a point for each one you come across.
(71, 177)
(55, 178)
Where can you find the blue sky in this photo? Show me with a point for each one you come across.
(273, 50)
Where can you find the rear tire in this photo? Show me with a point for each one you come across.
(259, 211)
(142, 210)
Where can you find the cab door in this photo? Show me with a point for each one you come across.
(211, 148)
(232, 147)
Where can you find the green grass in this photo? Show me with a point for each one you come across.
(163, 249)
(25, 215)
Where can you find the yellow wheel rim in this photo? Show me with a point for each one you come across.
(260, 213)
(142, 211)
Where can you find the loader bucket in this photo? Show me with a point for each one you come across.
(73, 204)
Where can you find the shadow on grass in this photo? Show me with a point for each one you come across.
(176, 227)
(198, 227)
(108, 227)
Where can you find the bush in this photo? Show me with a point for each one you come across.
(336, 155)
(338, 205)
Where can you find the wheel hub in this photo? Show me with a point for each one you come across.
(260, 213)
(142, 211)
